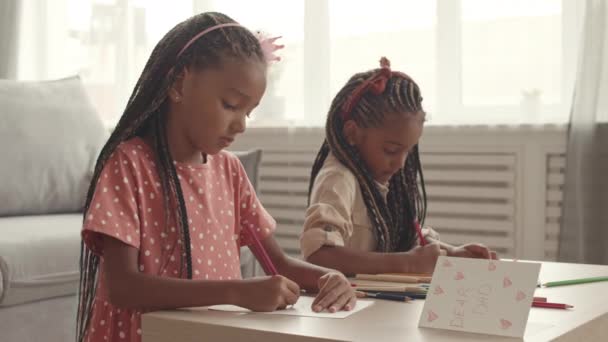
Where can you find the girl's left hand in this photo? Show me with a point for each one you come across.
(335, 293)
(472, 250)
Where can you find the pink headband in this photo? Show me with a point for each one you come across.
(267, 44)
(375, 84)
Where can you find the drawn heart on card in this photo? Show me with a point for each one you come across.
(520, 296)
(459, 276)
(505, 324)
(431, 316)
(491, 266)
(447, 263)
(438, 290)
(506, 282)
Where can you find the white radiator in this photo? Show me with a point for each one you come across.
(556, 164)
(501, 186)
(471, 197)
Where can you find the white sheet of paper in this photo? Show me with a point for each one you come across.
(301, 308)
(481, 296)
(533, 328)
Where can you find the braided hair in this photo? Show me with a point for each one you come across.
(145, 115)
(392, 219)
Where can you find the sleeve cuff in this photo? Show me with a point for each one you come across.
(313, 239)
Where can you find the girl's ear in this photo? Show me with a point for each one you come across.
(351, 132)
(176, 92)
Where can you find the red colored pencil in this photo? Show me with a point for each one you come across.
(259, 251)
(419, 230)
(551, 305)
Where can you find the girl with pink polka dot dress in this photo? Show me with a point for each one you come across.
(168, 210)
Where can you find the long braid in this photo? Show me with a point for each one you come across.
(145, 114)
(168, 172)
(392, 218)
(317, 165)
(422, 200)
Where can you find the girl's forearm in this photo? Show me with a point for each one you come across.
(351, 261)
(127, 287)
(144, 291)
(303, 273)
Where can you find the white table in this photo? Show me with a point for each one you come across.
(394, 321)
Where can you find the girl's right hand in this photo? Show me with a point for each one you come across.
(422, 259)
(268, 293)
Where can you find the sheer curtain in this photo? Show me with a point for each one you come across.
(9, 18)
(477, 61)
(106, 42)
(584, 231)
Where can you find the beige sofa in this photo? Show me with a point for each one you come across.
(50, 137)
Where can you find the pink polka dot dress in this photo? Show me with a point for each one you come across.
(128, 206)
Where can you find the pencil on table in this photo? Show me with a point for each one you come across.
(575, 281)
(380, 295)
(388, 288)
(394, 278)
(552, 305)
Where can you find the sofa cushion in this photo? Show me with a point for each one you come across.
(39, 253)
(50, 137)
(38, 257)
(251, 162)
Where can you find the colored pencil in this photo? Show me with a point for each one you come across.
(413, 295)
(388, 288)
(393, 278)
(418, 275)
(575, 281)
(265, 260)
(380, 295)
(423, 241)
(551, 305)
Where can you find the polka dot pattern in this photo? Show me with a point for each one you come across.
(128, 206)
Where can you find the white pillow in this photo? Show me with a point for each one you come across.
(50, 136)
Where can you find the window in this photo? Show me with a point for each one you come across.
(476, 61)
(516, 46)
(106, 42)
(283, 101)
(403, 31)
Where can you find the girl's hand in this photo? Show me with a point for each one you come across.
(335, 293)
(472, 250)
(422, 259)
(268, 293)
